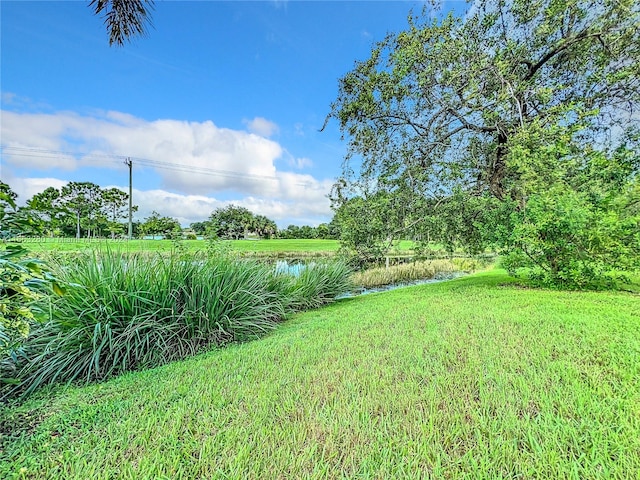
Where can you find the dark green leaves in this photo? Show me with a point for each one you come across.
(124, 19)
(460, 123)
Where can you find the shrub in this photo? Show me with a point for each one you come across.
(578, 223)
(312, 285)
(379, 276)
(570, 239)
(128, 312)
(23, 282)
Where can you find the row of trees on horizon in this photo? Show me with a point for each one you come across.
(84, 210)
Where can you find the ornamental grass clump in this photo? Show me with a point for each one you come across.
(126, 312)
(311, 285)
(379, 276)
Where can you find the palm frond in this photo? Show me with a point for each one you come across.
(124, 18)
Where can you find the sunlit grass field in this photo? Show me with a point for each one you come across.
(275, 245)
(477, 377)
(259, 248)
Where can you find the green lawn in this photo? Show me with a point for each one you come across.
(276, 245)
(305, 247)
(472, 378)
(280, 245)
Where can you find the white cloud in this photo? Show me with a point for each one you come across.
(310, 205)
(186, 208)
(299, 129)
(8, 97)
(300, 163)
(28, 187)
(212, 160)
(24, 103)
(35, 131)
(262, 126)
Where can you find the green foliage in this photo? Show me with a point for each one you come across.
(200, 228)
(45, 207)
(83, 200)
(582, 227)
(115, 207)
(23, 281)
(365, 234)
(155, 224)
(14, 221)
(24, 285)
(324, 231)
(79, 209)
(316, 284)
(132, 311)
(470, 379)
(234, 222)
(568, 241)
(475, 132)
(231, 222)
(264, 227)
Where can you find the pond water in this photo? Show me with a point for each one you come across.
(295, 267)
(383, 288)
(290, 267)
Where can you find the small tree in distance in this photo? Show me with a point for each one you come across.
(155, 224)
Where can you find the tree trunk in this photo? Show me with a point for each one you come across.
(497, 172)
(113, 222)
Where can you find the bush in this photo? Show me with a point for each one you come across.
(569, 239)
(128, 312)
(23, 282)
(378, 276)
(312, 285)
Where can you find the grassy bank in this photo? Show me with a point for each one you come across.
(473, 378)
(130, 311)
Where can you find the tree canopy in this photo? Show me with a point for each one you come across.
(235, 222)
(78, 208)
(462, 121)
(156, 224)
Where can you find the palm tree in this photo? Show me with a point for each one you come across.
(124, 18)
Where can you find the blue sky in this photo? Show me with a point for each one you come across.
(227, 98)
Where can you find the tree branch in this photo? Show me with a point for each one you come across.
(470, 126)
(534, 67)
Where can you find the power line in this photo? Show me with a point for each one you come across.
(34, 152)
(43, 153)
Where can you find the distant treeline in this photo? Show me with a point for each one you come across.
(84, 210)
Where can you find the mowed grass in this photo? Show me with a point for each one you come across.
(245, 246)
(472, 378)
(279, 245)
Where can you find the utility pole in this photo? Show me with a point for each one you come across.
(130, 165)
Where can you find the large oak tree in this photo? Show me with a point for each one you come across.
(470, 117)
